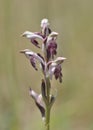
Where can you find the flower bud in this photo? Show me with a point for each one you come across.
(44, 23)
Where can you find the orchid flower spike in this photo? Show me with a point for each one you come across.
(50, 66)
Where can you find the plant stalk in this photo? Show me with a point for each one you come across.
(47, 123)
(47, 113)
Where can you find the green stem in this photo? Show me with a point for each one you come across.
(47, 123)
(48, 86)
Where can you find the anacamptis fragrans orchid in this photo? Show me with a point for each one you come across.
(50, 67)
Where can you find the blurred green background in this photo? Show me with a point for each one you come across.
(73, 20)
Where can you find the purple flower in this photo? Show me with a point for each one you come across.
(58, 73)
(45, 27)
(33, 57)
(33, 36)
(44, 23)
(49, 66)
(33, 62)
(51, 49)
(51, 45)
(54, 68)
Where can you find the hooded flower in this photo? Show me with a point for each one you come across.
(51, 45)
(45, 27)
(54, 68)
(33, 57)
(44, 23)
(33, 36)
(58, 73)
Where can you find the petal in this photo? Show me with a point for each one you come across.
(54, 68)
(31, 35)
(58, 73)
(33, 94)
(45, 28)
(32, 56)
(51, 72)
(33, 62)
(29, 53)
(50, 45)
(35, 42)
(52, 36)
(51, 49)
(59, 60)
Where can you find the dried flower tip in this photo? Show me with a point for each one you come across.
(33, 94)
(44, 23)
(25, 50)
(36, 97)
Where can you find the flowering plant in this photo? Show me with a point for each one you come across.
(50, 67)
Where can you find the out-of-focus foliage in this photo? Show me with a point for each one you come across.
(73, 19)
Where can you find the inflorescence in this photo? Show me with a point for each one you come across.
(48, 64)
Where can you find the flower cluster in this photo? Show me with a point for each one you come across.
(49, 65)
